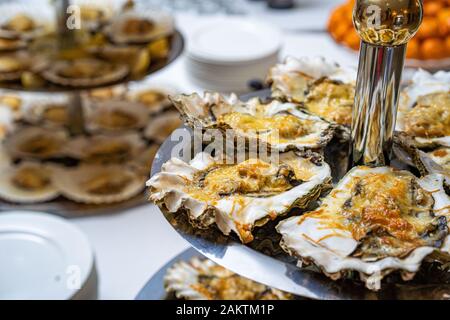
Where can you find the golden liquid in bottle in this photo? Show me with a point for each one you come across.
(387, 22)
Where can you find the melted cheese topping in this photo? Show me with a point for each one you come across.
(276, 129)
(389, 214)
(430, 118)
(247, 178)
(221, 284)
(332, 101)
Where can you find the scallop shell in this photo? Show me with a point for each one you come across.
(423, 84)
(211, 110)
(326, 237)
(103, 72)
(160, 127)
(116, 116)
(143, 162)
(202, 279)
(117, 31)
(36, 143)
(15, 191)
(49, 111)
(99, 184)
(103, 149)
(155, 97)
(12, 44)
(178, 189)
(12, 27)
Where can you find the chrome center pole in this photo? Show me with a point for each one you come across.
(385, 27)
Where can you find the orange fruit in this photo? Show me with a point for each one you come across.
(432, 8)
(429, 28)
(433, 48)
(447, 45)
(352, 40)
(413, 50)
(339, 31)
(444, 21)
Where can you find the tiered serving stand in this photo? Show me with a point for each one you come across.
(62, 206)
(263, 260)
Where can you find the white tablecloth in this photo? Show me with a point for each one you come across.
(131, 246)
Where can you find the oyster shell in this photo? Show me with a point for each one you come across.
(12, 66)
(282, 126)
(28, 182)
(241, 196)
(36, 143)
(138, 27)
(375, 221)
(160, 127)
(94, 16)
(102, 149)
(154, 97)
(99, 184)
(116, 116)
(201, 279)
(442, 157)
(321, 86)
(84, 72)
(424, 110)
(14, 103)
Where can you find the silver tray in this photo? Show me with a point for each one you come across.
(271, 266)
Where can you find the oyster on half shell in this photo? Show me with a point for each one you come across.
(97, 184)
(281, 126)
(84, 72)
(238, 197)
(27, 182)
(21, 26)
(322, 87)
(161, 126)
(374, 222)
(424, 109)
(202, 279)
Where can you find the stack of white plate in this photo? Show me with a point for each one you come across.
(44, 257)
(225, 53)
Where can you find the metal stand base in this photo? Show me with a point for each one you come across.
(376, 100)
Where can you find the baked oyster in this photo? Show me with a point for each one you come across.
(424, 110)
(141, 27)
(374, 222)
(160, 127)
(84, 72)
(98, 184)
(27, 182)
(12, 66)
(36, 143)
(116, 116)
(238, 197)
(442, 157)
(281, 126)
(322, 87)
(202, 279)
(49, 111)
(103, 149)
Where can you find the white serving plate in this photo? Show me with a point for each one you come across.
(44, 257)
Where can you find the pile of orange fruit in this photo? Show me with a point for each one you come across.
(432, 41)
